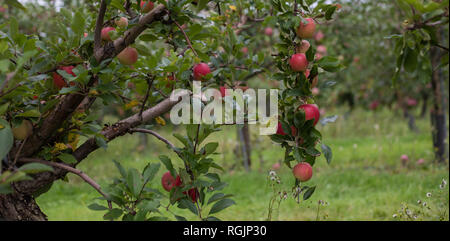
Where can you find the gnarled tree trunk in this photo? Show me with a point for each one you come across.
(20, 207)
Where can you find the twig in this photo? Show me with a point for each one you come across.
(18, 153)
(442, 47)
(98, 28)
(10, 90)
(149, 83)
(186, 37)
(158, 136)
(75, 171)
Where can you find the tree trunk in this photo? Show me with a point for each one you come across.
(411, 120)
(19, 207)
(424, 109)
(438, 122)
(244, 137)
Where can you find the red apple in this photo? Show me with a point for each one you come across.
(302, 171)
(319, 36)
(200, 70)
(193, 194)
(59, 81)
(298, 62)
(122, 22)
(306, 30)
(105, 33)
(168, 181)
(374, 105)
(303, 47)
(311, 112)
(128, 56)
(268, 31)
(280, 130)
(322, 49)
(147, 6)
(244, 50)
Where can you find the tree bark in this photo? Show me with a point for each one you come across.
(20, 207)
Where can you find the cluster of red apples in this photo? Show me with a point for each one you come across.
(168, 182)
(299, 63)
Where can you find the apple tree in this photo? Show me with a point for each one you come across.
(136, 53)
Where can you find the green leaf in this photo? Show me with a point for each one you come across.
(122, 171)
(30, 113)
(113, 214)
(326, 150)
(221, 205)
(16, 4)
(168, 164)
(185, 203)
(3, 109)
(210, 147)
(78, 23)
(150, 171)
(6, 139)
(134, 182)
(97, 207)
(35, 168)
(67, 158)
(309, 193)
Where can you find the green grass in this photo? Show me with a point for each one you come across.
(365, 181)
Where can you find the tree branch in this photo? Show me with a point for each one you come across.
(188, 41)
(98, 29)
(75, 171)
(158, 136)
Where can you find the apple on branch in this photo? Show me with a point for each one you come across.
(200, 71)
(306, 30)
(302, 171)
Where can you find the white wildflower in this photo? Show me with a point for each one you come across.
(428, 194)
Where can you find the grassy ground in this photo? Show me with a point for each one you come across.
(365, 181)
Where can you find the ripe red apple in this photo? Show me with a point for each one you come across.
(59, 81)
(276, 166)
(168, 181)
(311, 112)
(147, 6)
(85, 35)
(306, 30)
(128, 56)
(122, 22)
(302, 171)
(298, 62)
(200, 70)
(268, 31)
(105, 33)
(24, 130)
(303, 47)
(315, 81)
(193, 194)
(280, 130)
